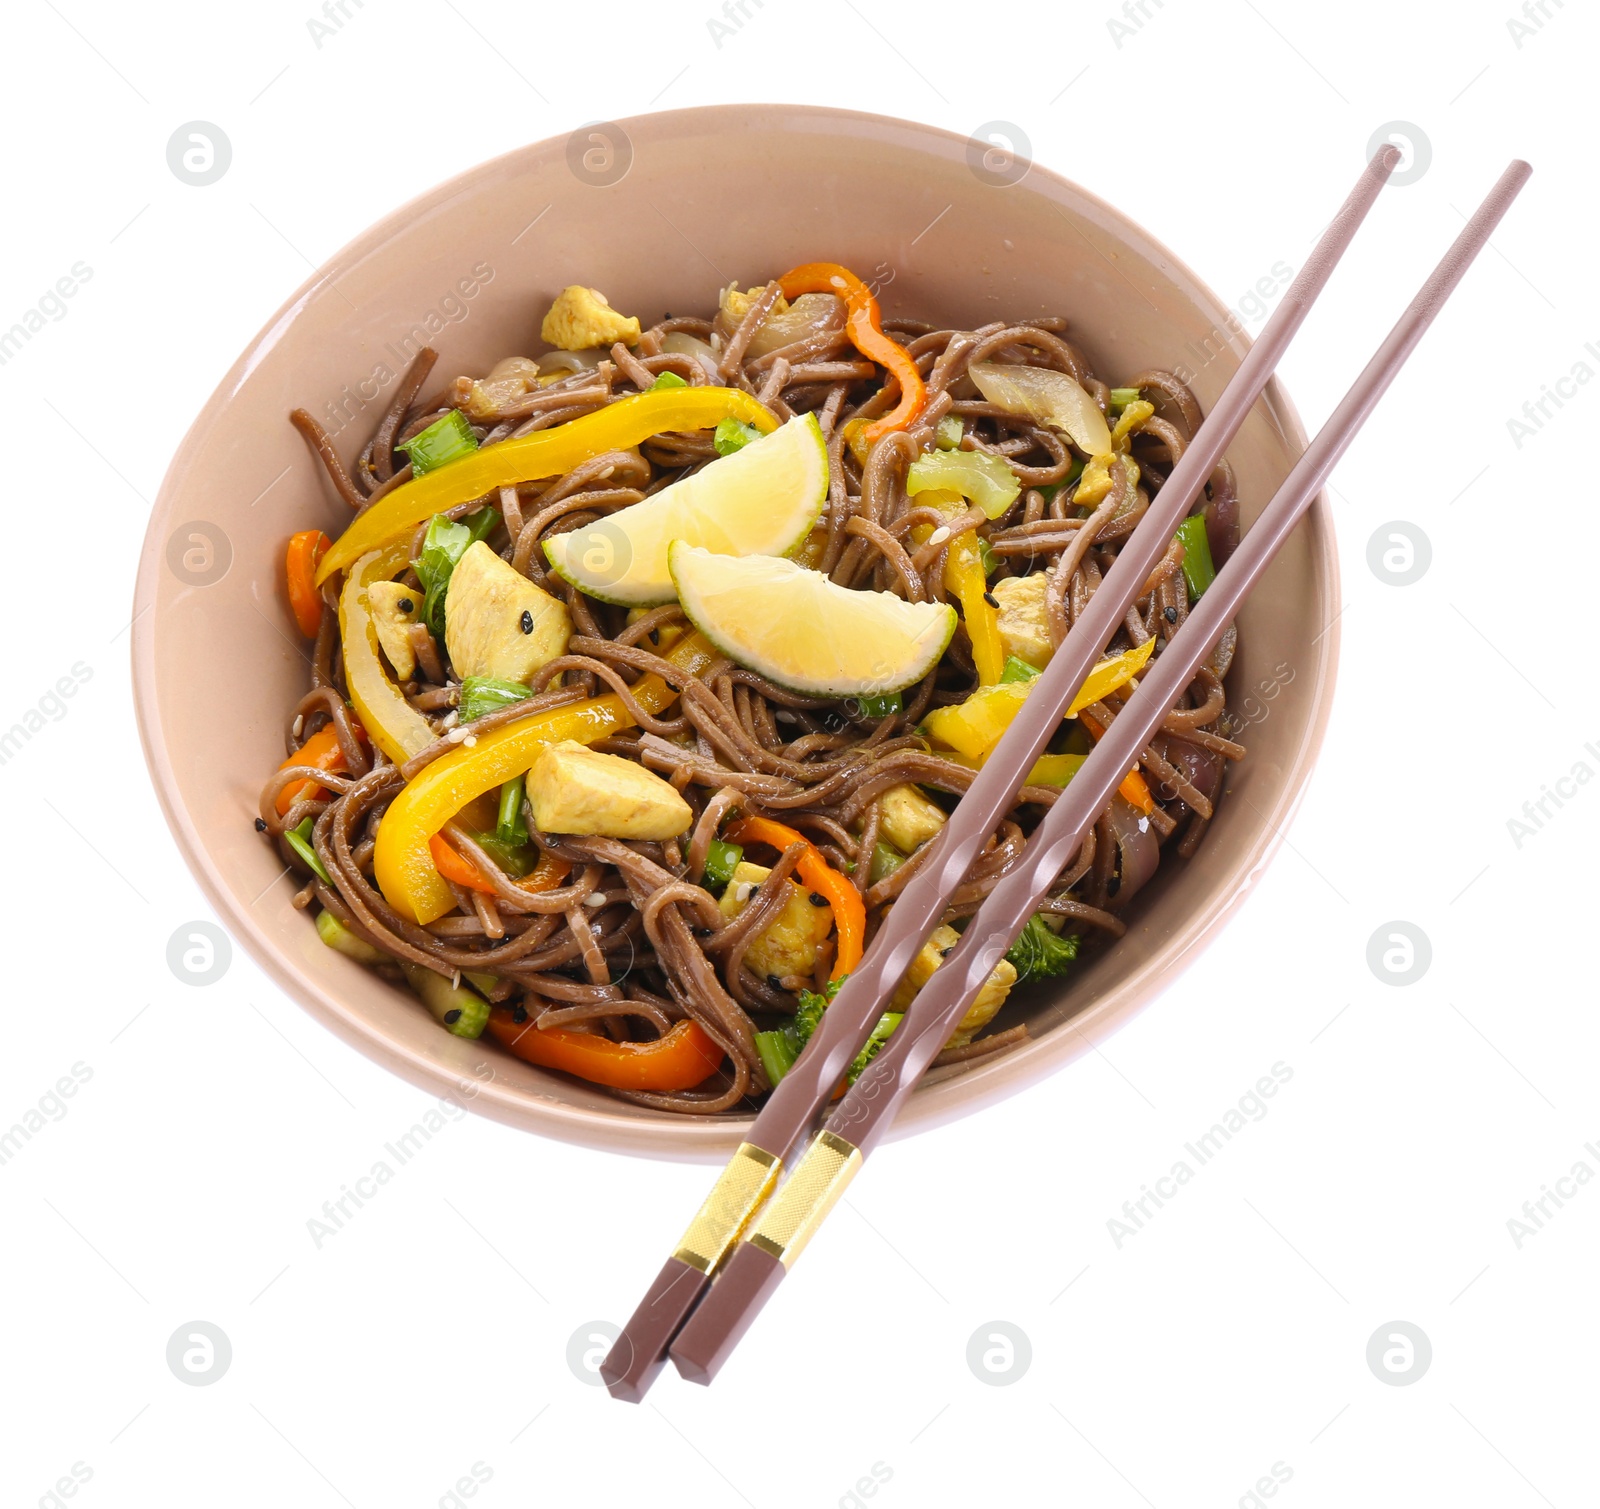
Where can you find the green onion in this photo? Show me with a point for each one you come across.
(1074, 471)
(948, 436)
(481, 981)
(339, 938)
(666, 380)
(1120, 398)
(1198, 571)
(1017, 670)
(300, 841)
(515, 859)
(461, 1011)
(778, 1053)
(878, 707)
(488, 694)
(979, 477)
(874, 1044)
(444, 441)
(732, 435)
(443, 545)
(886, 859)
(509, 827)
(721, 861)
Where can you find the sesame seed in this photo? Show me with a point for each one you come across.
(470, 742)
(655, 636)
(774, 982)
(991, 599)
(817, 900)
(595, 898)
(405, 605)
(456, 735)
(299, 725)
(261, 825)
(742, 895)
(527, 621)
(783, 715)
(940, 535)
(1171, 615)
(451, 1017)
(519, 1014)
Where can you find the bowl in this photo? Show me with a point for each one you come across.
(660, 211)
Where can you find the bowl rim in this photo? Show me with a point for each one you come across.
(699, 1139)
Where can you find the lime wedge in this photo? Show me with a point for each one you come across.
(804, 632)
(761, 500)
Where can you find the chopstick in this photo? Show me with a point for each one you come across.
(758, 1265)
(791, 1109)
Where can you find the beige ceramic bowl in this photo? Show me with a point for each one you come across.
(659, 212)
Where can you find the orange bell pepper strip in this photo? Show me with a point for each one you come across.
(545, 453)
(322, 750)
(454, 865)
(403, 864)
(306, 549)
(1133, 787)
(864, 325)
(849, 912)
(685, 1057)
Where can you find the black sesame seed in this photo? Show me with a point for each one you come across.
(991, 599)
(774, 982)
(655, 636)
(527, 621)
(405, 605)
(261, 825)
(519, 1014)
(1171, 615)
(817, 900)
(451, 1017)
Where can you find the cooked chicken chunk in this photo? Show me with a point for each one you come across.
(581, 318)
(496, 622)
(574, 789)
(788, 944)
(907, 818)
(988, 1000)
(1024, 630)
(395, 607)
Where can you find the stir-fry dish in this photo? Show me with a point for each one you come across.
(647, 670)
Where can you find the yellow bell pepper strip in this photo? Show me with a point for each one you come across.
(1133, 788)
(325, 752)
(546, 453)
(300, 572)
(402, 862)
(1133, 415)
(965, 577)
(849, 912)
(685, 1057)
(1048, 769)
(864, 325)
(974, 727)
(396, 727)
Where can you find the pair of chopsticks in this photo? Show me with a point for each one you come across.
(700, 1321)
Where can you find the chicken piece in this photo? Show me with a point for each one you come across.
(907, 818)
(736, 305)
(574, 789)
(788, 944)
(1024, 629)
(497, 623)
(581, 318)
(507, 381)
(984, 1006)
(395, 607)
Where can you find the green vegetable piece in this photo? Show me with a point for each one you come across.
(666, 380)
(484, 982)
(488, 694)
(339, 938)
(515, 859)
(1198, 572)
(879, 707)
(1039, 953)
(778, 1053)
(721, 861)
(979, 477)
(510, 828)
(443, 545)
(733, 435)
(444, 441)
(886, 859)
(991, 562)
(459, 1010)
(948, 436)
(873, 1045)
(300, 841)
(1016, 669)
(1120, 398)
(1074, 471)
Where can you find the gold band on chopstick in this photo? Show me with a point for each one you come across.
(736, 1196)
(819, 1179)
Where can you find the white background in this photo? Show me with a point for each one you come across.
(1231, 1333)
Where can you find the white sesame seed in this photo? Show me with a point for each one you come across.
(743, 893)
(456, 735)
(939, 536)
(299, 725)
(450, 719)
(470, 742)
(595, 898)
(783, 715)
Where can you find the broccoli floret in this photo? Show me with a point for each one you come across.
(1038, 953)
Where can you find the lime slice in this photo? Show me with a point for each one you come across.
(804, 632)
(761, 500)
